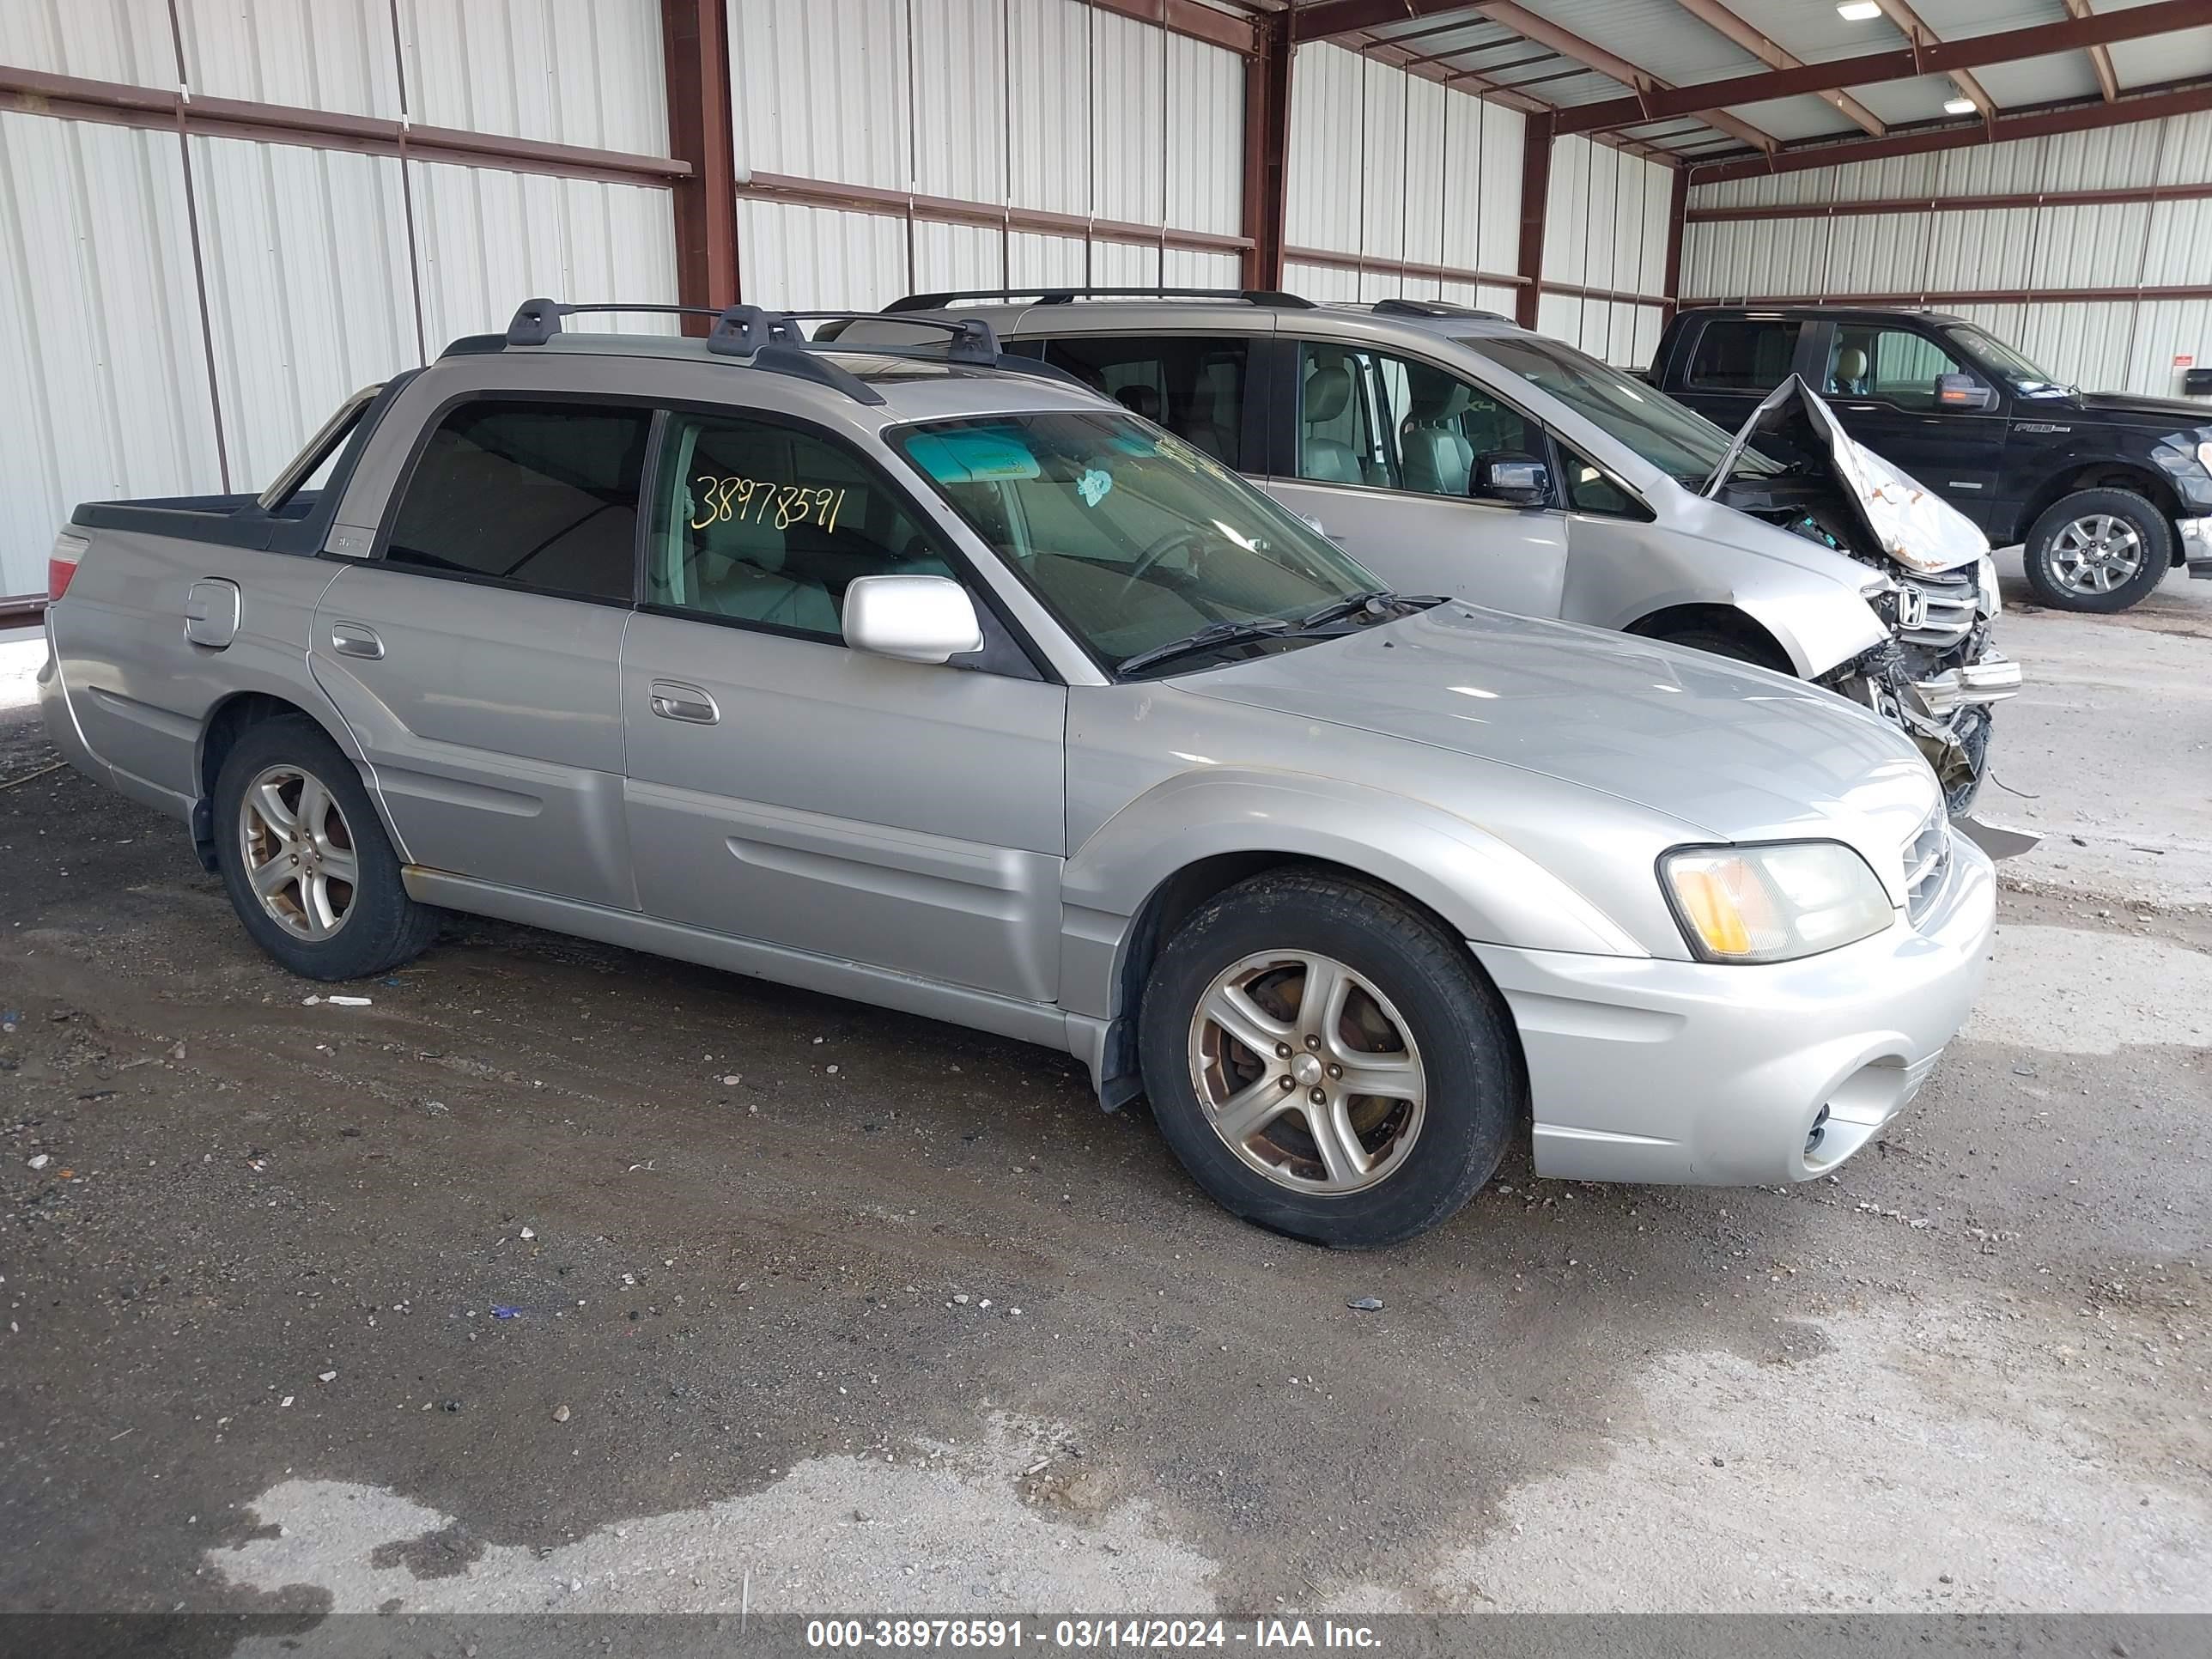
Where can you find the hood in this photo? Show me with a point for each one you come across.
(2165, 413)
(1733, 751)
(1892, 511)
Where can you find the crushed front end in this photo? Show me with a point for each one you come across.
(1937, 674)
(1931, 580)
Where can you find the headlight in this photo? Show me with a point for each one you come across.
(2204, 456)
(1773, 903)
(1987, 599)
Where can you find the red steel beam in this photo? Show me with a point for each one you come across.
(1725, 23)
(2082, 118)
(1871, 206)
(37, 92)
(1909, 24)
(1934, 298)
(1188, 17)
(1535, 203)
(2100, 58)
(1588, 53)
(1678, 204)
(1333, 17)
(1900, 63)
(1267, 153)
(695, 59)
(22, 610)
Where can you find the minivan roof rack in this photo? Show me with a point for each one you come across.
(773, 340)
(1056, 294)
(1404, 307)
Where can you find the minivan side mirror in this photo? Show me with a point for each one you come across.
(913, 618)
(1963, 392)
(1517, 480)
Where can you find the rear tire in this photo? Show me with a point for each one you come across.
(2113, 537)
(305, 858)
(1330, 983)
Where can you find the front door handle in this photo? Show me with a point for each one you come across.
(672, 700)
(354, 640)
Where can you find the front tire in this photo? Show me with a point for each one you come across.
(1735, 647)
(305, 858)
(2098, 551)
(1328, 1062)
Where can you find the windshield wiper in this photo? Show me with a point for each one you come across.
(1206, 639)
(1373, 600)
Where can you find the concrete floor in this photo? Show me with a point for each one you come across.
(817, 1308)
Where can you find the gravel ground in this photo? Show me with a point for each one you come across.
(560, 1277)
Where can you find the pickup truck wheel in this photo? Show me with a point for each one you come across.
(2098, 550)
(306, 860)
(1328, 1063)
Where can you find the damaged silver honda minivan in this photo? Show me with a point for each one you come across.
(1451, 451)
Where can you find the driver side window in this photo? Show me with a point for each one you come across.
(1367, 418)
(1897, 365)
(762, 524)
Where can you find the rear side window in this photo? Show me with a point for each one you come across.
(1192, 385)
(1744, 354)
(540, 496)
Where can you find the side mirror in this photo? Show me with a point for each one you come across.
(1963, 392)
(913, 618)
(1516, 480)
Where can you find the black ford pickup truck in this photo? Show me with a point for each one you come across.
(2105, 490)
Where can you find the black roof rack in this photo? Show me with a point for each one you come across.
(1056, 295)
(1403, 308)
(773, 340)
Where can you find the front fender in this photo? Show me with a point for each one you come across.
(1815, 627)
(1483, 888)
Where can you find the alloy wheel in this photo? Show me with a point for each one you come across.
(298, 852)
(2096, 554)
(1308, 1072)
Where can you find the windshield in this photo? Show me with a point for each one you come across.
(1672, 437)
(2027, 379)
(1134, 538)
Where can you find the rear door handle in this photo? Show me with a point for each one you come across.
(355, 639)
(672, 700)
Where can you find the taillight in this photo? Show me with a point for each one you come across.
(60, 563)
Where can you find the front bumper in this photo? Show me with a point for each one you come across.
(1992, 678)
(1718, 1075)
(2197, 546)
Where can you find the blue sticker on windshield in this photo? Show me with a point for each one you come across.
(957, 458)
(1093, 485)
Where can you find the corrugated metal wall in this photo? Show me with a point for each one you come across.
(1605, 229)
(1388, 171)
(112, 388)
(1046, 105)
(2117, 343)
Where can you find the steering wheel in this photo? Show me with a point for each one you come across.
(1153, 554)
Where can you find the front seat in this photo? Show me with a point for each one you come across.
(1329, 460)
(739, 571)
(1437, 455)
(1141, 401)
(1849, 376)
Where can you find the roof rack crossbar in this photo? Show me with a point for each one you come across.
(536, 321)
(1054, 293)
(1400, 307)
(774, 341)
(972, 340)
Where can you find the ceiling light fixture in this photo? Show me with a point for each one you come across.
(1858, 11)
(1959, 104)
